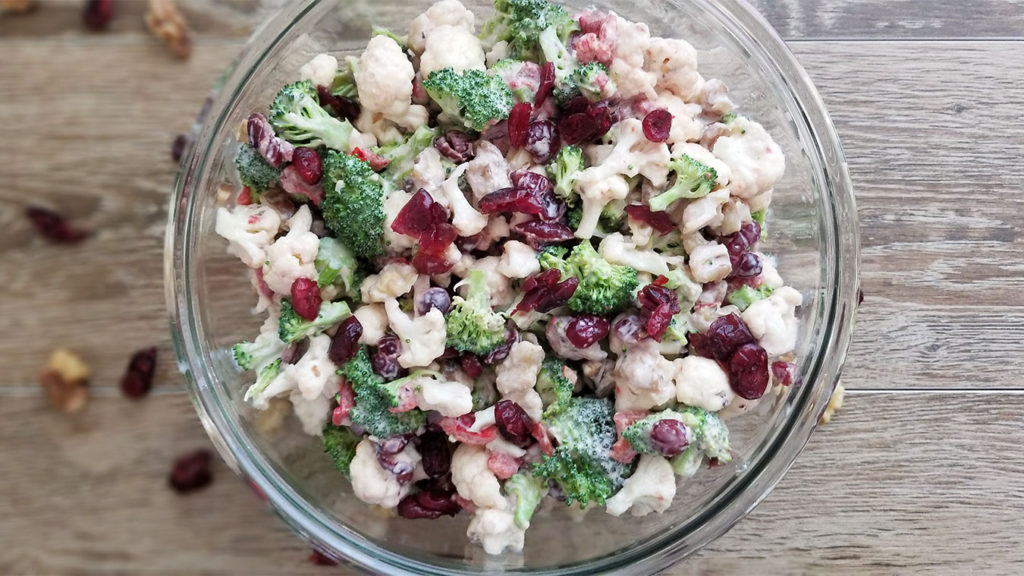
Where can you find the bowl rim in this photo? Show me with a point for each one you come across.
(733, 502)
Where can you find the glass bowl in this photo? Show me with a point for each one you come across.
(811, 229)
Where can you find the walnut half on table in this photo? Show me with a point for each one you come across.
(65, 380)
(166, 22)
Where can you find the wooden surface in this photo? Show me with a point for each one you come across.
(921, 472)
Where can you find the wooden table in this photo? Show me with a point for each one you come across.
(923, 469)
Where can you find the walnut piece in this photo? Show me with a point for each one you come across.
(65, 380)
(17, 6)
(165, 21)
(834, 404)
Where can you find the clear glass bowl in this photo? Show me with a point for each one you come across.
(812, 229)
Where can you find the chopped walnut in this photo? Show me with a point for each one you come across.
(834, 404)
(165, 21)
(17, 6)
(65, 380)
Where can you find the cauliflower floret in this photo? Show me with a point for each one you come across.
(701, 382)
(427, 171)
(320, 70)
(761, 201)
(686, 123)
(756, 161)
(371, 483)
(773, 320)
(451, 47)
(735, 213)
(498, 285)
(618, 249)
(710, 263)
(374, 320)
(706, 211)
(445, 13)
(627, 67)
(314, 373)
(452, 399)
(500, 445)
(473, 479)
(643, 378)
(488, 170)
(313, 414)
(249, 230)
(375, 127)
(466, 219)
(394, 280)
(517, 375)
(394, 242)
(560, 344)
(422, 337)
(292, 256)
(496, 530)
(674, 61)
(384, 81)
(518, 260)
(769, 272)
(714, 98)
(651, 488)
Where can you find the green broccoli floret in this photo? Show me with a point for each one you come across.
(564, 169)
(554, 257)
(297, 116)
(353, 205)
(686, 289)
(382, 31)
(708, 434)
(528, 491)
(510, 72)
(520, 22)
(759, 217)
(693, 180)
(344, 84)
(554, 388)
(471, 323)
(340, 444)
(613, 216)
(745, 296)
(252, 355)
(590, 80)
(678, 329)
(485, 393)
(555, 52)
(473, 99)
(401, 156)
(574, 216)
(371, 410)
(254, 171)
(604, 288)
(582, 463)
(292, 327)
(263, 379)
(336, 265)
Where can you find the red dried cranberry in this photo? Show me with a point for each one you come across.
(433, 298)
(542, 140)
(306, 298)
(653, 296)
(547, 83)
(436, 452)
(345, 342)
(583, 331)
(191, 471)
(430, 264)
(513, 422)
(53, 226)
(748, 265)
(669, 437)
(547, 278)
(293, 183)
(343, 108)
(438, 214)
(576, 105)
(178, 148)
(531, 182)
(415, 217)
(539, 233)
(455, 145)
(751, 232)
(784, 372)
(501, 352)
(467, 244)
(138, 378)
(518, 124)
(307, 161)
(318, 558)
(510, 200)
(657, 125)
(98, 13)
(497, 135)
(436, 241)
(471, 365)
(726, 334)
(544, 293)
(748, 371)
(294, 351)
(416, 507)
(657, 220)
(860, 296)
(659, 321)
(261, 135)
(438, 501)
(385, 358)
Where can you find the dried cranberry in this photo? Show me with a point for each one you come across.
(659, 321)
(510, 200)
(306, 298)
(436, 453)
(747, 266)
(438, 501)
(501, 352)
(416, 216)
(784, 372)
(455, 145)
(584, 331)
(751, 232)
(307, 161)
(546, 278)
(261, 135)
(669, 437)
(430, 264)
(433, 298)
(653, 296)
(178, 148)
(412, 507)
(538, 233)
(345, 342)
(513, 422)
(191, 471)
(726, 334)
(547, 83)
(576, 105)
(344, 108)
(318, 558)
(385, 358)
(98, 13)
(497, 135)
(138, 378)
(657, 125)
(657, 220)
(471, 365)
(544, 293)
(442, 483)
(532, 182)
(436, 241)
(542, 140)
(860, 296)
(53, 226)
(748, 371)
(518, 124)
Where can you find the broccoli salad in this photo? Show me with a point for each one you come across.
(510, 263)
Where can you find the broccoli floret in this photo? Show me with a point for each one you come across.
(344, 84)
(564, 169)
(686, 289)
(590, 80)
(335, 264)
(693, 180)
(581, 464)
(554, 257)
(485, 393)
(520, 22)
(401, 156)
(604, 288)
(678, 329)
(574, 216)
(759, 217)
(382, 31)
(371, 410)
(292, 327)
(353, 205)
(554, 388)
(297, 117)
(473, 98)
(555, 52)
(510, 72)
(472, 325)
(745, 296)
(707, 432)
(254, 171)
(340, 444)
(252, 355)
(527, 491)
(613, 216)
(264, 378)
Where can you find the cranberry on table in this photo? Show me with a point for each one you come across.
(98, 13)
(54, 226)
(191, 471)
(748, 371)
(586, 330)
(138, 379)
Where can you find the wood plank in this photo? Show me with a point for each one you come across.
(892, 485)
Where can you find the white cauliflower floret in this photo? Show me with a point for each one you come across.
(560, 344)
(427, 171)
(769, 272)
(773, 320)
(518, 260)
(618, 249)
(499, 287)
(445, 13)
(422, 337)
(320, 70)
(249, 230)
(675, 63)
(714, 97)
(499, 444)
(488, 170)
(314, 373)
(371, 483)
(686, 123)
(394, 242)
(375, 127)
(496, 530)
(627, 67)
(651, 488)
(710, 263)
(466, 219)
(374, 320)
(701, 382)
(517, 375)
(384, 81)
(473, 479)
(313, 414)
(451, 47)
(754, 158)
(706, 211)
(735, 213)
(643, 378)
(292, 256)
(451, 399)
(394, 280)
(761, 201)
